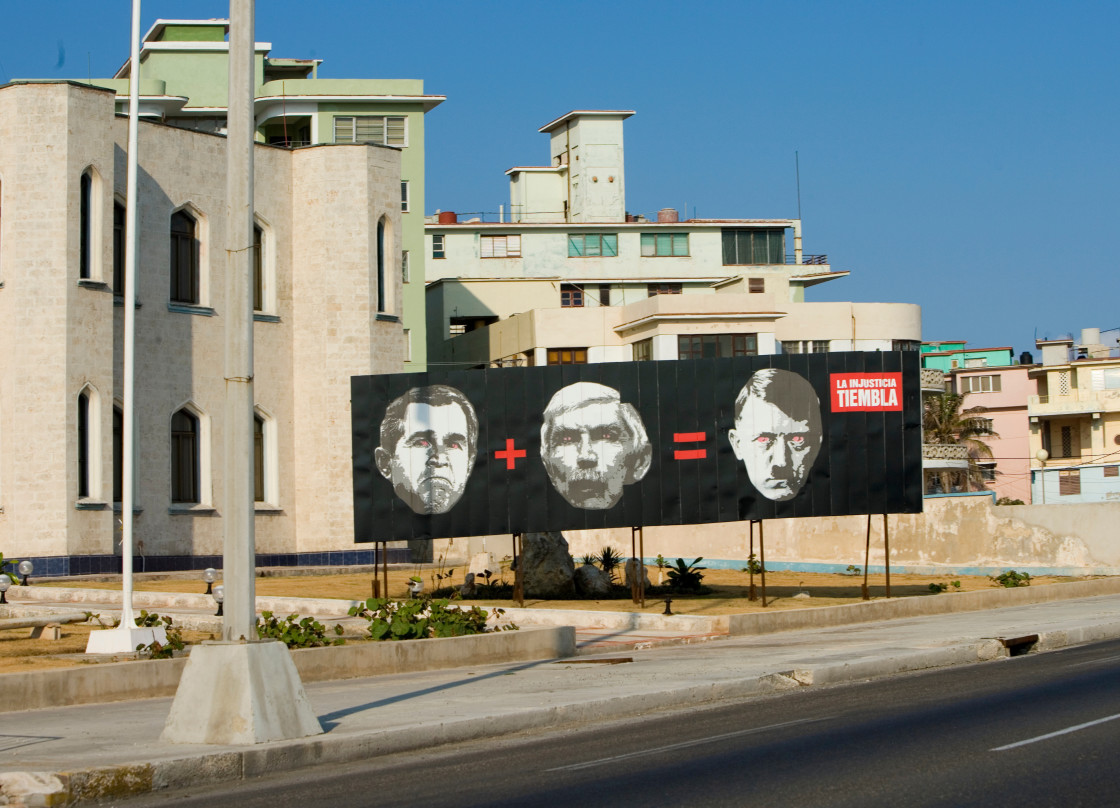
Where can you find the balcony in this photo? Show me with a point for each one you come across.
(1077, 401)
(933, 381)
(940, 456)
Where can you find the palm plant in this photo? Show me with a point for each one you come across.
(944, 421)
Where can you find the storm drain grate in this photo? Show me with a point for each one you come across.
(1018, 646)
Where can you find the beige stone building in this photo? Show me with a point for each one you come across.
(328, 239)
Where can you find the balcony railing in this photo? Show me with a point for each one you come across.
(944, 451)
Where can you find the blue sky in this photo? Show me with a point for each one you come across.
(960, 155)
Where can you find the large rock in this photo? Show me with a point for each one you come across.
(592, 582)
(633, 566)
(546, 565)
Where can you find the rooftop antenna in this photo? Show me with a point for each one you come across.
(797, 170)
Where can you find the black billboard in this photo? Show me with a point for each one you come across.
(510, 450)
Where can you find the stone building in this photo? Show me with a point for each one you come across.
(328, 230)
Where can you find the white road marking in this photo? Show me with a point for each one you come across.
(1049, 735)
(682, 745)
(1100, 661)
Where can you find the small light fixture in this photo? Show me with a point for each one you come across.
(5, 582)
(219, 594)
(25, 569)
(209, 575)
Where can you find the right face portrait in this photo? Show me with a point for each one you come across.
(777, 432)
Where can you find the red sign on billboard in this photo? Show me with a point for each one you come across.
(866, 392)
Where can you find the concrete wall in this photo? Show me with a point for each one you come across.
(961, 534)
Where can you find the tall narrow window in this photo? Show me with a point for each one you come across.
(258, 269)
(381, 265)
(118, 249)
(118, 455)
(85, 260)
(404, 196)
(184, 259)
(437, 246)
(258, 459)
(404, 266)
(184, 457)
(83, 444)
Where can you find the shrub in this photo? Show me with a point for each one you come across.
(1011, 578)
(686, 577)
(419, 618)
(609, 560)
(158, 650)
(296, 633)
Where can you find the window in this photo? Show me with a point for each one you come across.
(976, 362)
(571, 296)
(604, 294)
(643, 350)
(407, 344)
(754, 246)
(386, 130)
(980, 384)
(184, 457)
(987, 472)
(455, 329)
(437, 246)
(1105, 379)
(83, 444)
(404, 266)
(567, 356)
(661, 245)
(986, 424)
(1111, 471)
(756, 285)
(381, 265)
(184, 259)
(654, 289)
(1069, 482)
(118, 455)
(85, 214)
(805, 346)
(716, 346)
(258, 269)
(118, 249)
(905, 345)
(501, 246)
(1067, 441)
(258, 459)
(591, 244)
(404, 196)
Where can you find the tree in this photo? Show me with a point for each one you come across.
(945, 422)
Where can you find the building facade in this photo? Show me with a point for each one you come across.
(328, 306)
(570, 276)
(184, 65)
(1075, 419)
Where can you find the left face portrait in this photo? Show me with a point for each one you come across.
(427, 451)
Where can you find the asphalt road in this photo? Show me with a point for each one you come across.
(1037, 730)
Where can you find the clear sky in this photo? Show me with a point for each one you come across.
(960, 155)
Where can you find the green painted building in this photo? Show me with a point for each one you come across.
(953, 355)
(184, 66)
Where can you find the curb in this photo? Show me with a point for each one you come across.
(84, 786)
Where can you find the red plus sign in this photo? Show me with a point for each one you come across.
(509, 454)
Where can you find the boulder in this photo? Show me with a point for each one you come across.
(633, 566)
(547, 570)
(592, 582)
(469, 588)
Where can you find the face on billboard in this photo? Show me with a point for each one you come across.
(777, 432)
(427, 448)
(592, 445)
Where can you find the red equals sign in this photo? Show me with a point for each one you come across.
(689, 437)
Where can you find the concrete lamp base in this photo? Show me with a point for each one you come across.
(234, 694)
(124, 639)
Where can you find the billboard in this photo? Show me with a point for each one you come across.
(510, 450)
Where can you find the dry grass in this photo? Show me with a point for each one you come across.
(20, 653)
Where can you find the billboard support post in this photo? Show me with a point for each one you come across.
(762, 560)
(518, 581)
(637, 552)
(886, 553)
(752, 595)
(866, 559)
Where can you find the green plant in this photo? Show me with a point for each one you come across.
(1011, 578)
(1009, 501)
(754, 566)
(852, 570)
(686, 577)
(938, 587)
(419, 618)
(156, 649)
(3, 563)
(440, 574)
(587, 559)
(296, 633)
(609, 561)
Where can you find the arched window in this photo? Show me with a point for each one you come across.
(258, 268)
(118, 455)
(184, 457)
(118, 249)
(184, 259)
(83, 444)
(381, 265)
(85, 215)
(258, 459)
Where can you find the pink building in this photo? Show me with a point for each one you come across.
(1004, 391)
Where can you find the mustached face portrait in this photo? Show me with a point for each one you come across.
(592, 445)
(777, 432)
(429, 440)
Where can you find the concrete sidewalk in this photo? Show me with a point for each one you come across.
(93, 751)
